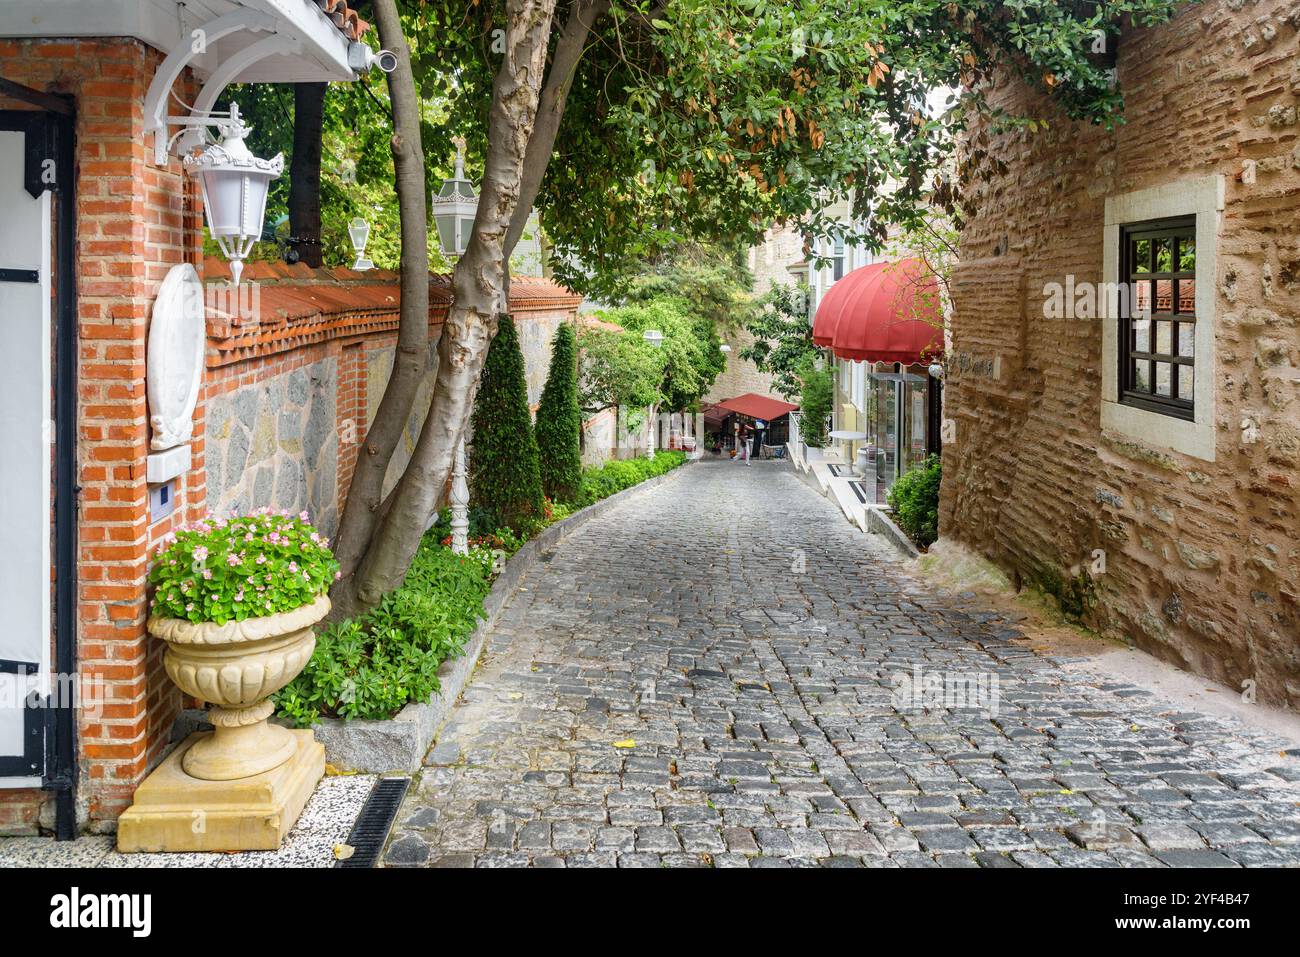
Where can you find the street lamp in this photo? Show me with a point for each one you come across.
(234, 184)
(656, 339)
(936, 370)
(359, 233)
(454, 208)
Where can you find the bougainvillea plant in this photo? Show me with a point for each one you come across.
(229, 569)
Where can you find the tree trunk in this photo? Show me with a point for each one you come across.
(478, 288)
(550, 109)
(304, 171)
(365, 496)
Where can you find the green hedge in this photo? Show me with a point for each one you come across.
(914, 497)
(604, 481)
(373, 665)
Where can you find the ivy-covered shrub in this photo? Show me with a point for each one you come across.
(373, 665)
(504, 479)
(914, 497)
(229, 569)
(559, 421)
(603, 481)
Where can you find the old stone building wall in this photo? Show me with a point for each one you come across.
(1181, 537)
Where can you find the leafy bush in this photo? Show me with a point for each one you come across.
(222, 570)
(603, 481)
(559, 422)
(914, 497)
(373, 665)
(816, 401)
(504, 479)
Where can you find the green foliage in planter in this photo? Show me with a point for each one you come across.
(559, 422)
(222, 570)
(816, 400)
(604, 481)
(504, 479)
(914, 497)
(373, 665)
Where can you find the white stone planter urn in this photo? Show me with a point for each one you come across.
(236, 667)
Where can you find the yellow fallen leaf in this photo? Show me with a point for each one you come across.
(343, 851)
(332, 771)
(625, 743)
(515, 695)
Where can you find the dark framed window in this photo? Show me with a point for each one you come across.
(1157, 316)
(837, 258)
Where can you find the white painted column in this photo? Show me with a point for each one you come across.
(459, 503)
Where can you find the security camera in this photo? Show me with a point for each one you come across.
(362, 59)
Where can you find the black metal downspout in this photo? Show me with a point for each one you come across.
(64, 770)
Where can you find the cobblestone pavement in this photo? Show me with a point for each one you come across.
(671, 690)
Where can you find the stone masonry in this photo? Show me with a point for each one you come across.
(716, 673)
(1200, 561)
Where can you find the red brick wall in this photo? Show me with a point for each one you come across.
(1203, 567)
(134, 221)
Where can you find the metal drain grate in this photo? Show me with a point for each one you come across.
(374, 822)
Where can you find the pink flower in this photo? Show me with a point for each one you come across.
(232, 559)
(261, 559)
(304, 516)
(293, 566)
(200, 553)
(207, 574)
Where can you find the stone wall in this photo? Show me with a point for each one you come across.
(1193, 557)
(292, 390)
(273, 443)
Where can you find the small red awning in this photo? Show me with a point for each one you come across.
(885, 312)
(757, 406)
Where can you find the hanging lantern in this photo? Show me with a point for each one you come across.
(235, 185)
(359, 233)
(454, 208)
(654, 337)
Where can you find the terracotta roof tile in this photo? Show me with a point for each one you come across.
(346, 19)
(290, 307)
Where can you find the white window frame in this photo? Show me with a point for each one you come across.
(1203, 198)
(859, 386)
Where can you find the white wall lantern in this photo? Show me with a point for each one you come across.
(454, 209)
(235, 184)
(359, 233)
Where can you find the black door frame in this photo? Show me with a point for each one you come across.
(51, 135)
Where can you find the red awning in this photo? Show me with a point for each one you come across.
(885, 312)
(757, 406)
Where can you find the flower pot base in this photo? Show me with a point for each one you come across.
(174, 811)
(236, 751)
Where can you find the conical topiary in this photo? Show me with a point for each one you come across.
(559, 421)
(504, 482)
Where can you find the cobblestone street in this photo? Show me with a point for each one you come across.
(705, 675)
